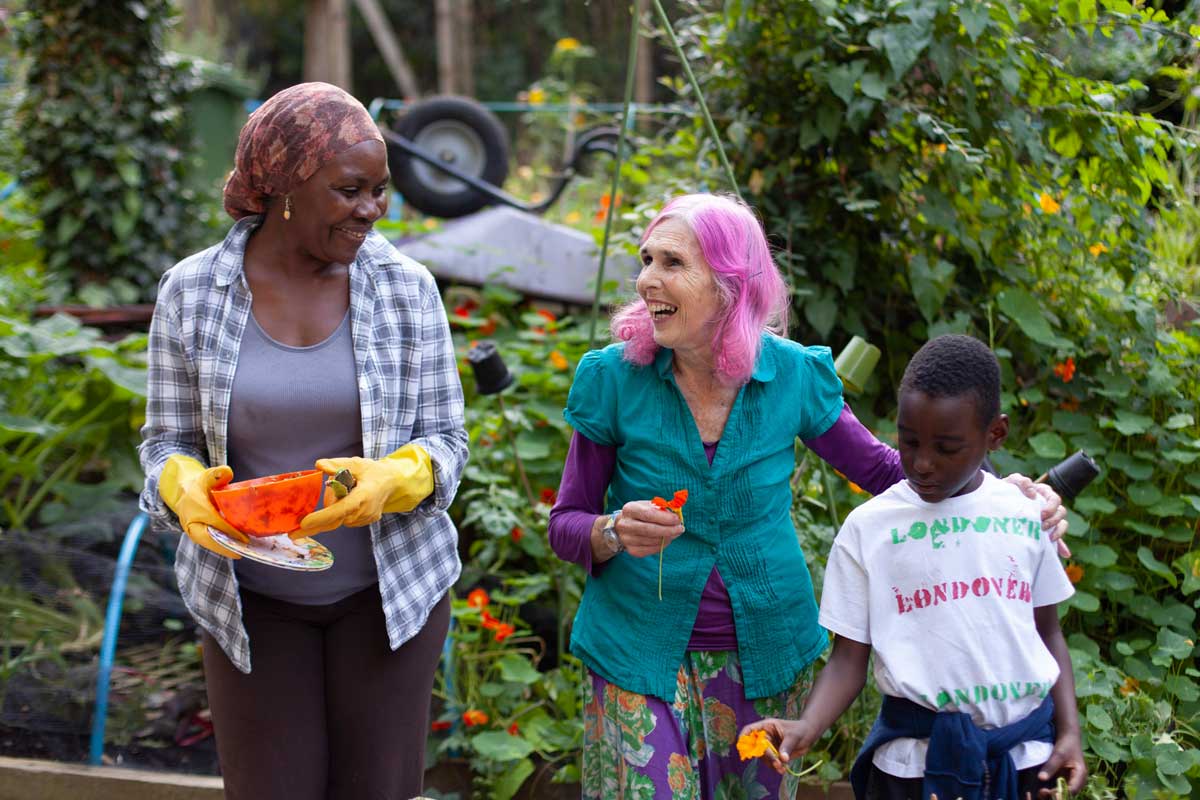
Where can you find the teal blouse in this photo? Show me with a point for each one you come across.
(738, 516)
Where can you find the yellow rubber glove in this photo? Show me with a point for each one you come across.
(398, 482)
(184, 486)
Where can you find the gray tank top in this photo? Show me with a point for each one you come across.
(291, 406)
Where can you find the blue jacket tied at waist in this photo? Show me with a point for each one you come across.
(960, 754)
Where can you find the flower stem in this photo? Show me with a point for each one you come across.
(662, 547)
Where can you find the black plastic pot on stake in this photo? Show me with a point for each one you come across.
(492, 377)
(1071, 476)
(491, 373)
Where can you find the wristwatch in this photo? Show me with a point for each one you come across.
(610, 534)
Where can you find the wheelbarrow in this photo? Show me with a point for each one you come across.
(449, 156)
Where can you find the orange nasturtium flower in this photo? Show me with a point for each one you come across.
(478, 598)
(503, 631)
(439, 725)
(754, 744)
(1130, 686)
(1098, 248)
(1049, 204)
(676, 504)
(1065, 369)
(474, 717)
(558, 360)
(1074, 573)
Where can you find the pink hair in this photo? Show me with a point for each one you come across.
(754, 297)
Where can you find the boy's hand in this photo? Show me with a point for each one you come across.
(1065, 762)
(789, 737)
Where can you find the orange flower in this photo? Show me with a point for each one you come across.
(1130, 686)
(754, 744)
(1074, 573)
(489, 622)
(558, 360)
(488, 327)
(516, 533)
(1097, 249)
(854, 487)
(503, 631)
(513, 730)
(478, 598)
(439, 725)
(676, 503)
(1049, 204)
(1065, 369)
(549, 496)
(1070, 404)
(474, 717)
(605, 205)
(547, 315)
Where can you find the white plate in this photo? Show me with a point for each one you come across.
(305, 555)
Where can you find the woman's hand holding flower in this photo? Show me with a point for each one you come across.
(645, 529)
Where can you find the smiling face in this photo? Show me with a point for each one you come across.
(333, 211)
(679, 288)
(943, 443)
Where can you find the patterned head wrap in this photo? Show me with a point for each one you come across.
(290, 137)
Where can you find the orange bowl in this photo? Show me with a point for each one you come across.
(271, 505)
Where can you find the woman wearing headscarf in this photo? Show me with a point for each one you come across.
(304, 337)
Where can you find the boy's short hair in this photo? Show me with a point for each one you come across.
(954, 365)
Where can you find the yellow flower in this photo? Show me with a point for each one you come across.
(572, 217)
(940, 148)
(566, 45)
(1098, 248)
(1049, 204)
(754, 744)
(537, 96)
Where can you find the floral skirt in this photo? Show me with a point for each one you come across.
(638, 747)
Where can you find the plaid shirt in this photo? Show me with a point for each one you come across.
(408, 388)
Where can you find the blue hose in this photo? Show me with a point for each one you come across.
(112, 622)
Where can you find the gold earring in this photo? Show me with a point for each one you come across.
(287, 207)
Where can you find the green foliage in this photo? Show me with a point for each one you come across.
(103, 140)
(70, 408)
(942, 167)
(519, 677)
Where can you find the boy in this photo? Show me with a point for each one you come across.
(949, 579)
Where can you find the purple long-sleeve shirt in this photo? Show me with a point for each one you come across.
(847, 446)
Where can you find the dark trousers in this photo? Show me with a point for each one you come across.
(329, 711)
(882, 786)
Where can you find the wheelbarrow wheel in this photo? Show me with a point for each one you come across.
(463, 134)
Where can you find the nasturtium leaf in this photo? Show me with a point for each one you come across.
(1135, 468)
(500, 746)
(1098, 555)
(1023, 309)
(1144, 494)
(1178, 421)
(509, 783)
(1181, 456)
(1084, 601)
(1130, 423)
(1048, 445)
(1072, 422)
(1098, 718)
(1185, 689)
(1172, 644)
(1168, 507)
(1094, 505)
(1188, 565)
(1154, 565)
(517, 669)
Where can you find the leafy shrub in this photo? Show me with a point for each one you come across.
(104, 142)
(940, 167)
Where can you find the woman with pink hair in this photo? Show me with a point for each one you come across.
(702, 393)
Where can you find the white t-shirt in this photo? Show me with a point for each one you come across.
(944, 593)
